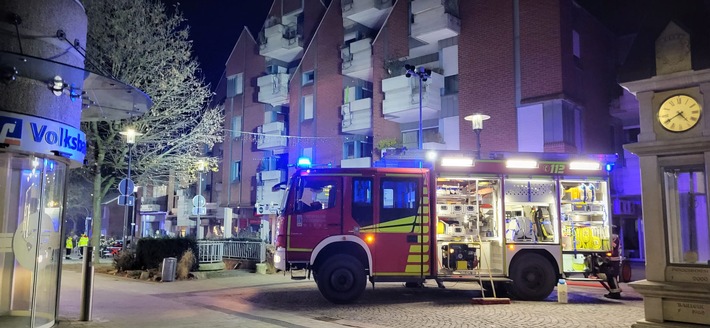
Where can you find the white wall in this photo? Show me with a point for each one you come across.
(531, 137)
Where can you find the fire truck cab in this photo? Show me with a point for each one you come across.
(517, 224)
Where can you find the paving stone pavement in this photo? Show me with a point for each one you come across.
(253, 300)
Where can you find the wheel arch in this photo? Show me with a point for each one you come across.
(343, 244)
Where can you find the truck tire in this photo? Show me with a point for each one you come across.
(533, 277)
(341, 279)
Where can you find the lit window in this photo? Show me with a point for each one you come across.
(575, 44)
(235, 85)
(307, 107)
(236, 172)
(236, 126)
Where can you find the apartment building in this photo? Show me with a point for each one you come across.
(326, 79)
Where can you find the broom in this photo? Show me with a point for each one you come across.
(483, 300)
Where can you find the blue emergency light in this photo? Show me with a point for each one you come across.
(303, 162)
(609, 167)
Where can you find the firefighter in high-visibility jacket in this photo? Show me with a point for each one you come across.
(613, 269)
(69, 246)
(83, 243)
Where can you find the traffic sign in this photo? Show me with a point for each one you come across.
(124, 200)
(199, 211)
(198, 201)
(126, 186)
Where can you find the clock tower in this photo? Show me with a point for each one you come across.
(673, 89)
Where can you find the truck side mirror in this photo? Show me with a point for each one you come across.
(279, 186)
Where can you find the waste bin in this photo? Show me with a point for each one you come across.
(169, 264)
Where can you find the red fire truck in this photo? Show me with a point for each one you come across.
(514, 223)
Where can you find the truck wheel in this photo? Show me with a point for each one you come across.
(533, 277)
(342, 279)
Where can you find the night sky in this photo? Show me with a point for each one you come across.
(215, 26)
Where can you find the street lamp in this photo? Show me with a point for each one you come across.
(477, 125)
(131, 135)
(201, 167)
(423, 74)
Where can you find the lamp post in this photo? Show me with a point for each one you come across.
(423, 74)
(477, 125)
(201, 165)
(131, 135)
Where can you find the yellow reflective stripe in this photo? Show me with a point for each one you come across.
(417, 258)
(423, 239)
(416, 268)
(300, 249)
(419, 248)
(409, 273)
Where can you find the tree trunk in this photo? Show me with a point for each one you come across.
(96, 219)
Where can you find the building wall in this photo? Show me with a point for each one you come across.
(486, 74)
(244, 59)
(391, 43)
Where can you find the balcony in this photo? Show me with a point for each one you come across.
(273, 88)
(371, 13)
(282, 39)
(435, 20)
(272, 136)
(356, 162)
(357, 59)
(401, 102)
(357, 116)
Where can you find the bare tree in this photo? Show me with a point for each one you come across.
(141, 43)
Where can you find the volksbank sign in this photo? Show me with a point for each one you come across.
(33, 134)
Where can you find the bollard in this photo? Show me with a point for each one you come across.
(87, 284)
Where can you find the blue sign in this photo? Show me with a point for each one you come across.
(34, 134)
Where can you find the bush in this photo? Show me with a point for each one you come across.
(150, 252)
(125, 261)
(187, 261)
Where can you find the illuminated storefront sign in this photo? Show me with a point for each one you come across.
(33, 134)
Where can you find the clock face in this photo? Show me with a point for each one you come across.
(679, 113)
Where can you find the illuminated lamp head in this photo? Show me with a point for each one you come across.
(609, 167)
(303, 163)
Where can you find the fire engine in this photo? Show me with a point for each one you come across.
(513, 223)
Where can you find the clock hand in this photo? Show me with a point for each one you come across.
(676, 115)
(681, 115)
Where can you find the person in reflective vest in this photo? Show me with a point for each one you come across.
(613, 269)
(69, 246)
(83, 243)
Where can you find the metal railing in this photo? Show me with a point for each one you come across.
(245, 250)
(212, 251)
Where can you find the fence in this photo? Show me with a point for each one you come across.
(215, 251)
(210, 251)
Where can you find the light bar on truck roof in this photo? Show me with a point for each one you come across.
(585, 165)
(303, 162)
(457, 161)
(521, 164)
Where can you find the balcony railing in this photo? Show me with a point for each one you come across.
(401, 102)
(273, 88)
(371, 13)
(282, 40)
(435, 20)
(357, 116)
(357, 59)
(272, 136)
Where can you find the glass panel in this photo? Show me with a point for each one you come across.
(686, 215)
(31, 196)
(49, 249)
(530, 211)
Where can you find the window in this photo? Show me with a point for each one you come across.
(410, 139)
(362, 201)
(686, 214)
(236, 126)
(356, 149)
(307, 107)
(236, 172)
(560, 124)
(399, 198)
(308, 152)
(235, 85)
(308, 77)
(575, 44)
(315, 194)
(451, 84)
